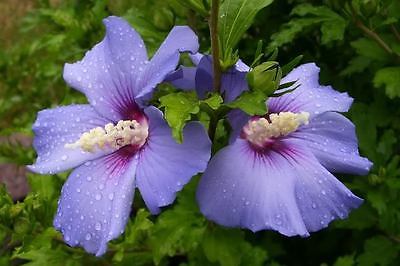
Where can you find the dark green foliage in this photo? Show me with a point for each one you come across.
(357, 45)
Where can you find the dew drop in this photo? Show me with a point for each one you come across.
(97, 226)
(111, 196)
(88, 236)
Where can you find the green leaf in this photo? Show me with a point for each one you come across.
(378, 250)
(345, 261)
(253, 103)
(136, 235)
(178, 110)
(196, 5)
(179, 229)
(140, 225)
(5, 205)
(214, 101)
(389, 77)
(236, 17)
(47, 186)
(356, 65)
(370, 49)
(229, 248)
(332, 25)
(39, 251)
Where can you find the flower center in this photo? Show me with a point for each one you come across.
(260, 130)
(126, 132)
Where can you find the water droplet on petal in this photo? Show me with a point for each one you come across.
(97, 226)
(111, 196)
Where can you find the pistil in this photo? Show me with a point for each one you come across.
(259, 131)
(126, 132)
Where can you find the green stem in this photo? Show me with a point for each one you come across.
(212, 128)
(373, 35)
(395, 32)
(213, 24)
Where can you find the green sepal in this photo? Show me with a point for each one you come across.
(292, 64)
(265, 77)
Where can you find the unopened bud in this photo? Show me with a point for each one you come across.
(265, 77)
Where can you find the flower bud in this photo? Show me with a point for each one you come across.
(265, 77)
(369, 7)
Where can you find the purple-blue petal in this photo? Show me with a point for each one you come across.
(196, 58)
(183, 78)
(284, 189)
(204, 77)
(164, 165)
(96, 201)
(233, 81)
(310, 96)
(237, 119)
(108, 73)
(241, 66)
(165, 60)
(332, 139)
(59, 126)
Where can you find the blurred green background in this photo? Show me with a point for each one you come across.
(356, 44)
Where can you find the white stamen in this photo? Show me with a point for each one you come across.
(259, 130)
(126, 132)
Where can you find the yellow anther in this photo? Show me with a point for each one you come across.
(126, 132)
(259, 130)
